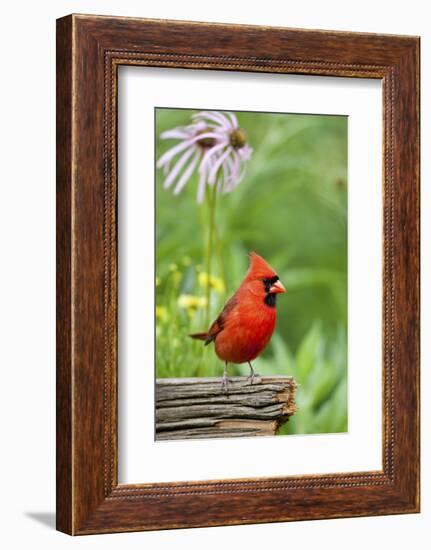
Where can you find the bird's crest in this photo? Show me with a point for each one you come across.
(259, 268)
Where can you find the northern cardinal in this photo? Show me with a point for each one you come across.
(245, 326)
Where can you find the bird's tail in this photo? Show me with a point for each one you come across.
(207, 338)
(199, 335)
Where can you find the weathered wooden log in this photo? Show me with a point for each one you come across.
(198, 408)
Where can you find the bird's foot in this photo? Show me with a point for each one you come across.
(251, 378)
(252, 374)
(224, 383)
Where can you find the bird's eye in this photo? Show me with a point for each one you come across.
(272, 280)
(266, 283)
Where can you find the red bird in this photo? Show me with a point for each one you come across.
(245, 326)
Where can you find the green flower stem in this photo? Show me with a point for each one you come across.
(212, 199)
(220, 259)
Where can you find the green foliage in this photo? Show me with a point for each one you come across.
(291, 208)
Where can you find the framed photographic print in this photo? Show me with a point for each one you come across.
(237, 274)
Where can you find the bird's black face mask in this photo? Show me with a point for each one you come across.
(270, 298)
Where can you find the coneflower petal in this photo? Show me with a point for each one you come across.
(214, 135)
(203, 180)
(197, 127)
(216, 166)
(216, 116)
(225, 177)
(236, 165)
(175, 133)
(245, 152)
(233, 119)
(170, 153)
(233, 168)
(207, 156)
(229, 166)
(187, 173)
(176, 169)
(181, 146)
(201, 187)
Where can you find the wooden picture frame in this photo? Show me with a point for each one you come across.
(89, 51)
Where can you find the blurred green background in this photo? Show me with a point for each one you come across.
(291, 207)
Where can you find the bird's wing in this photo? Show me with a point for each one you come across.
(219, 323)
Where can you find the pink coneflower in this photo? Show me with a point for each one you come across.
(214, 144)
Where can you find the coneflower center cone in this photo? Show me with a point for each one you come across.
(238, 138)
(206, 142)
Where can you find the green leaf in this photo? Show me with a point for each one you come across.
(308, 352)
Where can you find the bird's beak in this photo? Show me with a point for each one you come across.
(277, 288)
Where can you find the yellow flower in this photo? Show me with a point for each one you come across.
(213, 282)
(162, 314)
(191, 303)
(157, 281)
(186, 301)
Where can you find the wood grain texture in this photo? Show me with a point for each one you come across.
(199, 408)
(90, 49)
(64, 496)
